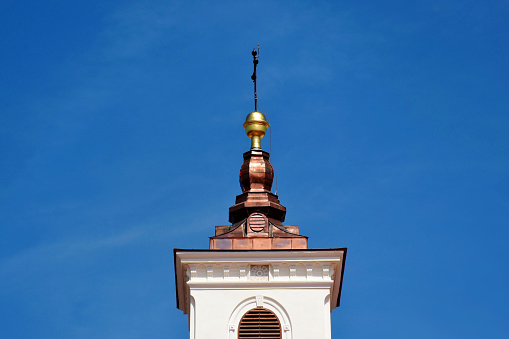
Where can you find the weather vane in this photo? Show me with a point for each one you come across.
(253, 77)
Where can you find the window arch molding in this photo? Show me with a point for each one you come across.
(244, 306)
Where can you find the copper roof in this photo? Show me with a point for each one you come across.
(257, 215)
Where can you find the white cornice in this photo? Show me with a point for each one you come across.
(259, 256)
(202, 269)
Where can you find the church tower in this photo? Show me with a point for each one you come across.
(258, 279)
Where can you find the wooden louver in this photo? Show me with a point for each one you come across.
(259, 323)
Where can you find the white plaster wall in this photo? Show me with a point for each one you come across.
(307, 310)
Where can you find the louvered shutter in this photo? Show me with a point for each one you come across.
(259, 323)
(257, 222)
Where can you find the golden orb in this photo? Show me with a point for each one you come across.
(256, 125)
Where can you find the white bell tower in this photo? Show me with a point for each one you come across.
(258, 279)
(296, 289)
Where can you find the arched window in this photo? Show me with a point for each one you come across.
(259, 323)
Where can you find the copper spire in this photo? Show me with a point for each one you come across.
(257, 215)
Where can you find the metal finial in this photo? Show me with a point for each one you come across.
(256, 125)
(253, 77)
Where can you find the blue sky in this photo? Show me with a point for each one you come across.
(121, 138)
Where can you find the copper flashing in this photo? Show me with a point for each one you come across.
(245, 236)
